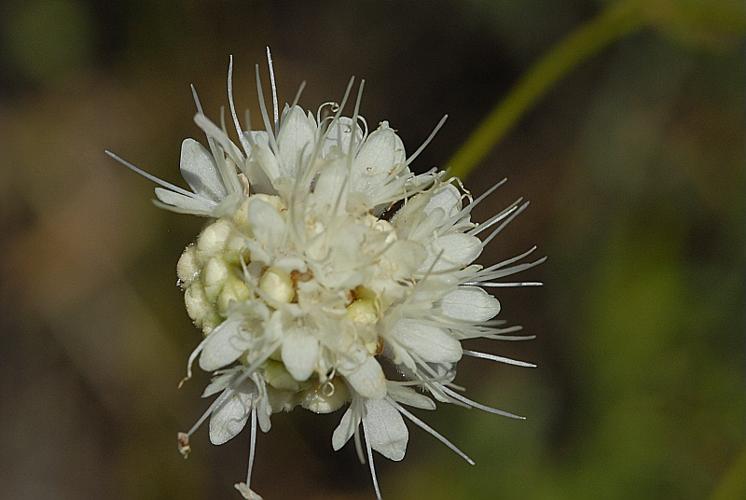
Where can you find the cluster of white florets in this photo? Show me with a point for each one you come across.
(328, 275)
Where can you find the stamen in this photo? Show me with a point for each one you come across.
(298, 94)
(192, 358)
(228, 180)
(510, 270)
(468, 208)
(502, 226)
(355, 114)
(265, 116)
(219, 401)
(252, 445)
(427, 141)
(495, 218)
(492, 284)
(422, 425)
(480, 406)
(499, 359)
(150, 177)
(317, 146)
(275, 107)
(510, 260)
(358, 446)
(244, 143)
(371, 464)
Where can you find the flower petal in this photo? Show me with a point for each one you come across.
(410, 397)
(385, 429)
(266, 223)
(296, 138)
(300, 351)
(470, 303)
(197, 205)
(338, 137)
(230, 418)
(224, 346)
(367, 379)
(446, 197)
(218, 384)
(430, 343)
(382, 153)
(199, 170)
(459, 249)
(345, 429)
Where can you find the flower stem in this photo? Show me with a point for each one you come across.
(615, 21)
(733, 483)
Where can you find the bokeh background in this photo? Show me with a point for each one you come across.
(634, 163)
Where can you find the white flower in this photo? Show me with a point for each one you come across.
(329, 274)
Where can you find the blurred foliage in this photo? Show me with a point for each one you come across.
(634, 159)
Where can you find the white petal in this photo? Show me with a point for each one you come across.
(382, 152)
(367, 379)
(459, 249)
(199, 170)
(224, 346)
(262, 156)
(470, 303)
(197, 204)
(430, 343)
(338, 137)
(385, 429)
(296, 138)
(448, 198)
(329, 184)
(344, 430)
(266, 223)
(410, 397)
(230, 418)
(300, 351)
(218, 384)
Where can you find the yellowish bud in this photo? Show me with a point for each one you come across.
(187, 268)
(278, 285)
(212, 239)
(234, 290)
(214, 275)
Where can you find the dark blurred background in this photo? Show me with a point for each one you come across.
(634, 163)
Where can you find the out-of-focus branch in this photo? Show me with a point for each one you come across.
(617, 20)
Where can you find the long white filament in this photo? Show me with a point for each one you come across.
(371, 465)
(252, 445)
(499, 359)
(275, 106)
(414, 155)
(150, 177)
(422, 425)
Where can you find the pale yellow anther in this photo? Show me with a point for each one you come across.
(363, 311)
(234, 290)
(278, 285)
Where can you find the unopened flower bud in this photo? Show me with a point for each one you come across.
(278, 285)
(234, 290)
(215, 274)
(187, 268)
(213, 238)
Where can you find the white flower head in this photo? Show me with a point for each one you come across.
(329, 275)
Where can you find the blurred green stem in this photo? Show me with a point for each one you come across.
(733, 483)
(615, 21)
